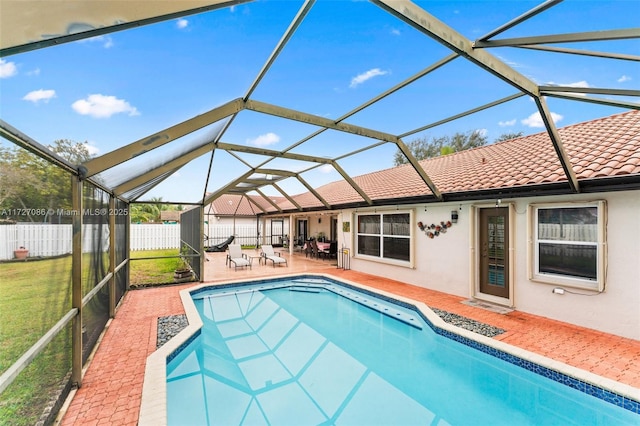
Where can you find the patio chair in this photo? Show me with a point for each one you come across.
(331, 252)
(314, 248)
(275, 258)
(236, 257)
(308, 250)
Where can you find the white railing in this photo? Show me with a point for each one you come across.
(45, 240)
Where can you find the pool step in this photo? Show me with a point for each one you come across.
(310, 285)
(306, 289)
(378, 305)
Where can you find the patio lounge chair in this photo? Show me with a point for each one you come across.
(269, 254)
(236, 257)
(222, 246)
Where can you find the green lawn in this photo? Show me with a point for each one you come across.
(34, 296)
(156, 271)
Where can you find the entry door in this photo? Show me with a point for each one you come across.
(277, 232)
(302, 230)
(334, 229)
(494, 251)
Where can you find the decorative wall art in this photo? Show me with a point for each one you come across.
(434, 230)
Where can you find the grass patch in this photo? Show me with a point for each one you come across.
(36, 294)
(153, 271)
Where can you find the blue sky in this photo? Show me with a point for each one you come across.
(112, 90)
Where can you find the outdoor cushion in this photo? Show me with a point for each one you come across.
(269, 254)
(236, 256)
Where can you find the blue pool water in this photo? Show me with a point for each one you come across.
(314, 352)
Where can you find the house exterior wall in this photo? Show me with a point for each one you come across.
(318, 225)
(446, 263)
(230, 220)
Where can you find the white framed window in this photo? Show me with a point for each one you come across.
(384, 235)
(568, 244)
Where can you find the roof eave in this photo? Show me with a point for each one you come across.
(595, 185)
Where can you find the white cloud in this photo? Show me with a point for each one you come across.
(482, 132)
(182, 23)
(106, 41)
(7, 69)
(578, 84)
(91, 148)
(39, 95)
(624, 78)
(535, 120)
(34, 72)
(581, 83)
(361, 78)
(264, 140)
(326, 168)
(509, 62)
(395, 31)
(507, 123)
(102, 106)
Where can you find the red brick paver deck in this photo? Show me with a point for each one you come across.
(112, 386)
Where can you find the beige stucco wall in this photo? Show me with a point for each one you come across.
(444, 263)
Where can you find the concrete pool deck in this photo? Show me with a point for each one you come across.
(112, 387)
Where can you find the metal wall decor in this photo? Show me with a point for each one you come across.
(434, 230)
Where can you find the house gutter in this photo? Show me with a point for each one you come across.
(587, 186)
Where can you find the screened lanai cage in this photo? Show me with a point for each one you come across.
(56, 305)
(105, 104)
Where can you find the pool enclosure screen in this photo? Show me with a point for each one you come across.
(54, 307)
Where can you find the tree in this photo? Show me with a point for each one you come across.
(31, 185)
(143, 213)
(508, 136)
(422, 148)
(12, 177)
(150, 212)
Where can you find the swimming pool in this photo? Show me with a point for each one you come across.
(264, 356)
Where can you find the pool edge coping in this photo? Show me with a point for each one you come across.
(153, 408)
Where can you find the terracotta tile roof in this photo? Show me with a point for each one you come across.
(605, 147)
(601, 148)
(170, 215)
(239, 205)
(232, 204)
(264, 203)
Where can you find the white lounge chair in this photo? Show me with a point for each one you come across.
(275, 258)
(236, 257)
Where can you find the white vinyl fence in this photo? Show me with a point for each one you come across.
(155, 237)
(45, 240)
(244, 234)
(557, 232)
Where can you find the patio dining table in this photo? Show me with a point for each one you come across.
(321, 246)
